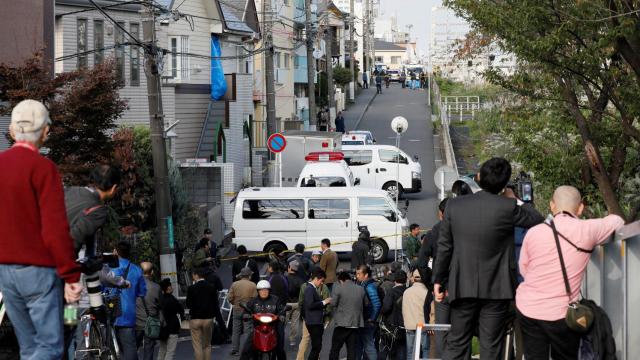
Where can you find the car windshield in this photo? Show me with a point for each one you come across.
(324, 181)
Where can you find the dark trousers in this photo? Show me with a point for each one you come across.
(147, 345)
(443, 316)
(379, 88)
(489, 315)
(365, 84)
(315, 331)
(341, 336)
(541, 336)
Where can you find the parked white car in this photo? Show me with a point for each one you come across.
(381, 166)
(326, 169)
(271, 219)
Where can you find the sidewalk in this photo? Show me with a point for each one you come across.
(355, 112)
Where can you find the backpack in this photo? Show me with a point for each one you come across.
(598, 343)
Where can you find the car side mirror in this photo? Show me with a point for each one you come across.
(393, 217)
(356, 181)
(406, 203)
(415, 158)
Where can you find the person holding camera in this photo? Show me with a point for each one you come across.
(361, 250)
(37, 250)
(474, 264)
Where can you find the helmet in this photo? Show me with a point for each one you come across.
(263, 284)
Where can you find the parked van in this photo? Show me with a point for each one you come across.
(273, 219)
(377, 167)
(358, 138)
(299, 145)
(326, 169)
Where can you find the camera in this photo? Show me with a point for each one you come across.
(523, 187)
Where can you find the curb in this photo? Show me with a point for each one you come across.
(364, 112)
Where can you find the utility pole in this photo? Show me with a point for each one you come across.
(329, 46)
(372, 25)
(160, 171)
(352, 59)
(365, 37)
(269, 77)
(311, 66)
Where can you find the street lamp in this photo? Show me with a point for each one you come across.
(399, 125)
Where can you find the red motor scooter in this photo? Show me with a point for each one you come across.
(265, 334)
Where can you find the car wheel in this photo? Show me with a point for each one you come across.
(379, 250)
(275, 247)
(392, 188)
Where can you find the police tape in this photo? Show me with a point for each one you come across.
(263, 254)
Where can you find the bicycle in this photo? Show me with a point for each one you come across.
(98, 338)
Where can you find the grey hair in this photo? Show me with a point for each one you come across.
(30, 137)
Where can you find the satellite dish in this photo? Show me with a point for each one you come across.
(445, 176)
(399, 124)
(317, 54)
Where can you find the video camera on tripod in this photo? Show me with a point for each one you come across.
(522, 186)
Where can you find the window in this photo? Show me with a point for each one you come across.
(276, 60)
(273, 209)
(379, 59)
(98, 41)
(287, 58)
(357, 157)
(375, 207)
(396, 59)
(179, 61)
(118, 40)
(82, 43)
(135, 56)
(392, 156)
(329, 209)
(296, 61)
(324, 181)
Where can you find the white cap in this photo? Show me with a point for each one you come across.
(29, 116)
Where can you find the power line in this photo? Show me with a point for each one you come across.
(104, 7)
(116, 23)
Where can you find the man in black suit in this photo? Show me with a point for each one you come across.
(475, 265)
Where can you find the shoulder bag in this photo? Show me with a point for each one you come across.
(112, 300)
(579, 317)
(153, 325)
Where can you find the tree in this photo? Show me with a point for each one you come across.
(83, 106)
(342, 76)
(570, 58)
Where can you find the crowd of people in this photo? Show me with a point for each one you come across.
(462, 272)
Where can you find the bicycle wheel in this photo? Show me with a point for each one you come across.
(95, 348)
(113, 351)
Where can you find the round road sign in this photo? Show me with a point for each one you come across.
(445, 174)
(276, 143)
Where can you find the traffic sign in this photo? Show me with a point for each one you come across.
(276, 143)
(444, 177)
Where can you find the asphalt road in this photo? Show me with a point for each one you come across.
(418, 140)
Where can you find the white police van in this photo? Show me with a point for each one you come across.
(377, 167)
(326, 169)
(272, 219)
(358, 138)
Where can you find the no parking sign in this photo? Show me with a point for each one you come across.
(276, 143)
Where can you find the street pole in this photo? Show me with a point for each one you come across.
(311, 64)
(365, 38)
(160, 171)
(352, 59)
(269, 77)
(397, 189)
(329, 46)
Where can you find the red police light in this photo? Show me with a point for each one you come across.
(325, 144)
(324, 156)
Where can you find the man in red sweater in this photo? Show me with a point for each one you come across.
(37, 250)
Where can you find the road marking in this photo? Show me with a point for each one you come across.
(414, 140)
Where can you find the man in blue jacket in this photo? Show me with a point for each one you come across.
(126, 323)
(372, 306)
(314, 312)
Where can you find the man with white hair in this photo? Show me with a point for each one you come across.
(37, 249)
(542, 299)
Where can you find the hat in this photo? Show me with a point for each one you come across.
(29, 116)
(316, 252)
(244, 273)
(294, 265)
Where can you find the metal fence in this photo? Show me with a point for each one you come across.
(612, 283)
(449, 153)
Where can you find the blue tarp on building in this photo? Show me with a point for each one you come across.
(218, 83)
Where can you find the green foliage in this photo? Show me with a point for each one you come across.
(577, 84)
(83, 106)
(342, 76)
(189, 223)
(135, 202)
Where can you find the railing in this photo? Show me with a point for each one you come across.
(449, 153)
(609, 281)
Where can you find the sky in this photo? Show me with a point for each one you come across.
(414, 12)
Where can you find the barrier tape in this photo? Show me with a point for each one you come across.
(263, 254)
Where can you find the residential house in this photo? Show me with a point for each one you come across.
(390, 54)
(206, 40)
